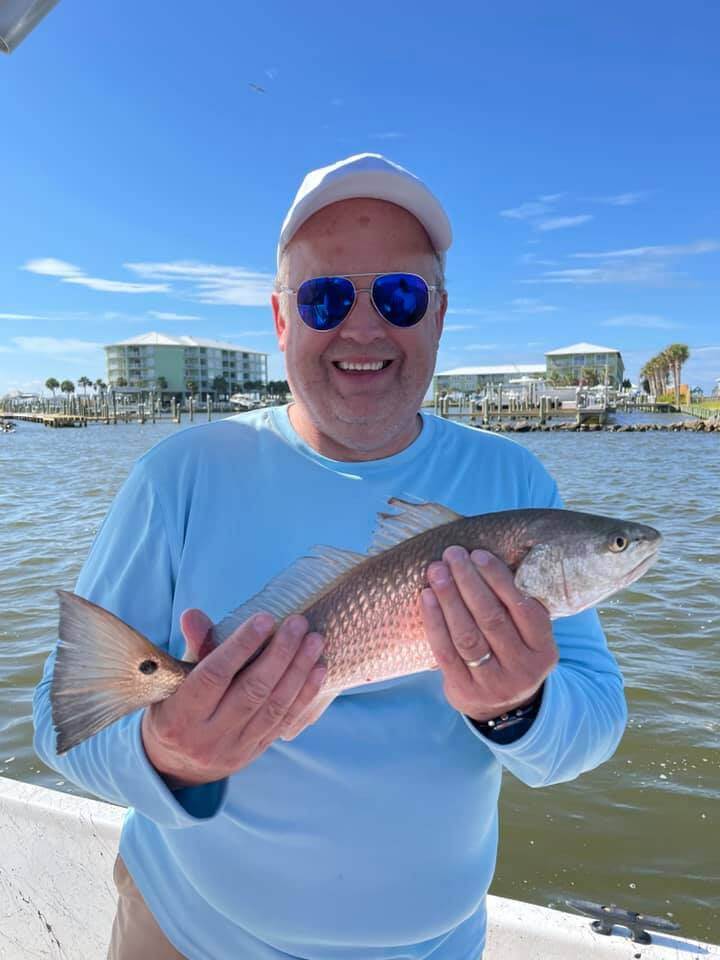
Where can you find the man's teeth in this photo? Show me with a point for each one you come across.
(344, 365)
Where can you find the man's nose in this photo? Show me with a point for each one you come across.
(363, 324)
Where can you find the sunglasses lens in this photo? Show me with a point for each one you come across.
(401, 298)
(324, 302)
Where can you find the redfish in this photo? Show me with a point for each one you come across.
(367, 606)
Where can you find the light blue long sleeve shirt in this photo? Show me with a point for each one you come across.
(373, 835)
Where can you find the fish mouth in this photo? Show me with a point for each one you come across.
(641, 568)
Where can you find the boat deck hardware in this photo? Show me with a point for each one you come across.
(606, 917)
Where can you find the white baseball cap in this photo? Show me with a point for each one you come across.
(367, 175)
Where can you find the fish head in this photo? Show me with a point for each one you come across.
(576, 560)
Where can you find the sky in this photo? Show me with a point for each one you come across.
(575, 147)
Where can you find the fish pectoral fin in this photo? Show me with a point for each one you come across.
(295, 589)
(310, 714)
(413, 519)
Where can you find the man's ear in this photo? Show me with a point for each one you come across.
(280, 321)
(440, 314)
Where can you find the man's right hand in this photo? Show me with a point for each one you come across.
(221, 719)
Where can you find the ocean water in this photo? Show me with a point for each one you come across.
(643, 830)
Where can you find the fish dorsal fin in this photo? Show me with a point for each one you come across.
(301, 584)
(415, 518)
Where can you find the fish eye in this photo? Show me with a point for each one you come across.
(618, 543)
(148, 666)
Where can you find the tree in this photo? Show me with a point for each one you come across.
(589, 377)
(52, 384)
(190, 386)
(162, 383)
(121, 382)
(626, 385)
(100, 385)
(677, 354)
(68, 387)
(84, 382)
(220, 385)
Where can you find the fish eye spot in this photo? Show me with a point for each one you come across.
(148, 666)
(618, 544)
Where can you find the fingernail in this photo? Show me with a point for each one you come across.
(480, 557)
(429, 598)
(314, 643)
(457, 554)
(263, 623)
(439, 575)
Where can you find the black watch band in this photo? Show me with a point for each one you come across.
(510, 726)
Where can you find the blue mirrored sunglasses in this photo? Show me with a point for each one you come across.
(400, 298)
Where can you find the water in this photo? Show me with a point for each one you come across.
(643, 830)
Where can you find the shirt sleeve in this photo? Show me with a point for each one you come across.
(130, 571)
(583, 712)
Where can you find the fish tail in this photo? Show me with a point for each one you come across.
(97, 676)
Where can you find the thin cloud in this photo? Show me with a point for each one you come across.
(271, 72)
(21, 316)
(53, 345)
(527, 210)
(652, 275)
(388, 135)
(559, 223)
(457, 327)
(211, 283)
(481, 346)
(69, 273)
(677, 250)
(172, 316)
(467, 312)
(530, 305)
(647, 321)
(622, 199)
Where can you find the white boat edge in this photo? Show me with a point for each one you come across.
(57, 897)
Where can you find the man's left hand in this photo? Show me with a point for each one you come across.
(473, 609)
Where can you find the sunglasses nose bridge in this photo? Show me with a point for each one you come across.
(363, 315)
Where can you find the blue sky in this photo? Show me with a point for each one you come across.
(575, 147)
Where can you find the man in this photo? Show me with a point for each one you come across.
(373, 834)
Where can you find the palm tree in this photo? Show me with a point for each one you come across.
(220, 385)
(52, 384)
(162, 383)
(191, 386)
(68, 387)
(121, 382)
(84, 382)
(677, 354)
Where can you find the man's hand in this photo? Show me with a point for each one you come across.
(473, 608)
(221, 719)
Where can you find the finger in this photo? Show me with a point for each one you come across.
(254, 686)
(273, 713)
(207, 684)
(307, 707)
(438, 636)
(529, 615)
(485, 607)
(465, 631)
(195, 626)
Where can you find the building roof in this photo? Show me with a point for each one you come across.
(165, 340)
(580, 348)
(503, 368)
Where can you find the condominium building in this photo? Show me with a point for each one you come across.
(568, 363)
(180, 365)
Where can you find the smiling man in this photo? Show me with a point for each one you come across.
(372, 835)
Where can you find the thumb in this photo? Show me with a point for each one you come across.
(195, 626)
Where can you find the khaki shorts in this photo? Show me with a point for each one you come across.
(135, 933)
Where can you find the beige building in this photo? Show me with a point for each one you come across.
(141, 361)
(569, 362)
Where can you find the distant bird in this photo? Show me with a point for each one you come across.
(256, 88)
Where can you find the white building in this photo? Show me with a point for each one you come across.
(158, 361)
